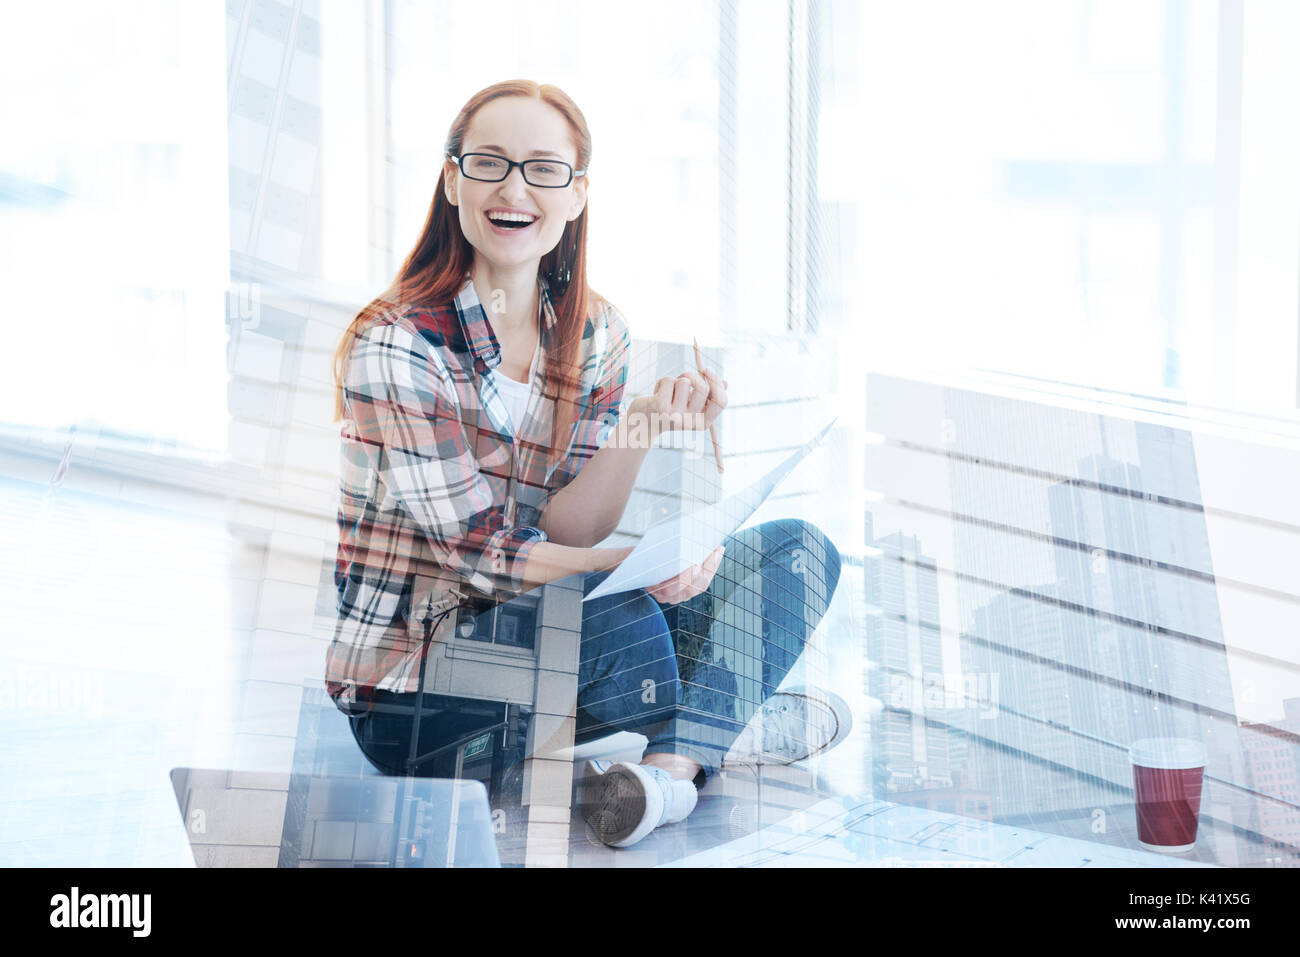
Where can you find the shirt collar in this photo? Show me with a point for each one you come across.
(479, 337)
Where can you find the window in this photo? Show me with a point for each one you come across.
(114, 217)
(1095, 192)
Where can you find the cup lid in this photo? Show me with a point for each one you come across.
(1168, 753)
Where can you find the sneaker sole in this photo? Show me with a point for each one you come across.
(618, 810)
(832, 702)
(837, 707)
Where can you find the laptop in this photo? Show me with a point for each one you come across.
(266, 819)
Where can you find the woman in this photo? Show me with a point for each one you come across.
(485, 454)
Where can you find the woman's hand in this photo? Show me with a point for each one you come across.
(690, 402)
(689, 583)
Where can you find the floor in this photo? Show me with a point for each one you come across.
(148, 630)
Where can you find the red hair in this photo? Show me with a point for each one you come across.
(434, 271)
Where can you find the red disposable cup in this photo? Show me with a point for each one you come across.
(1167, 778)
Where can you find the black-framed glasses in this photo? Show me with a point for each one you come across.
(490, 168)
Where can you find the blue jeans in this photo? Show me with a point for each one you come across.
(688, 676)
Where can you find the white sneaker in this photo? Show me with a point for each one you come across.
(792, 725)
(624, 802)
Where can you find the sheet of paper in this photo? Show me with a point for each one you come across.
(676, 544)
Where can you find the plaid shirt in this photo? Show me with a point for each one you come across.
(440, 497)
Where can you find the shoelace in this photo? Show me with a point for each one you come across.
(665, 782)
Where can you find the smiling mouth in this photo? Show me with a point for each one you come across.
(508, 224)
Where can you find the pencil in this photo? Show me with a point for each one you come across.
(713, 433)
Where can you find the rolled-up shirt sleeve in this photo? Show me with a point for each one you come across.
(402, 400)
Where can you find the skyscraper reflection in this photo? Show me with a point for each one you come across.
(1075, 551)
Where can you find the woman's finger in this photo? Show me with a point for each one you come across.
(717, 389)
(675, 589)
(667, 591)
(662, 414)
(682, 387)
(709, 568)
(700, 395)
(691, 581)
(700, 578)
(705, 580)
(664, 392)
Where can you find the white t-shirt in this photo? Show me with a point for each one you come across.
(516, 394)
